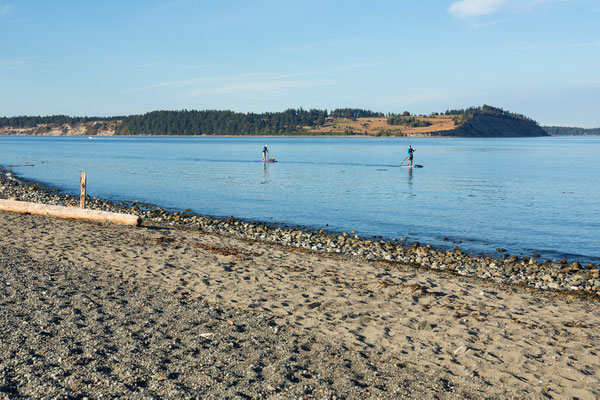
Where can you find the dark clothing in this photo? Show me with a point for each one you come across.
(410, 155)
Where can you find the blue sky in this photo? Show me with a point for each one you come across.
(102, 58)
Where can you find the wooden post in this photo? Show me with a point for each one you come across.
(82, 196)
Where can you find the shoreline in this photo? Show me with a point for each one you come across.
(341, 134)
(505, 269)
(184, 308)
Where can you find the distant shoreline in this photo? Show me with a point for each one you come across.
(300, 136)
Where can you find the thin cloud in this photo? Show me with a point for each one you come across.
(424, 94)
(561, 46)
(471, 8)
(16, 63)
(489, 23)
(261, 86)
(253, 82)
(5, 9)
(148, 65)
(467, 9)
(174, 66)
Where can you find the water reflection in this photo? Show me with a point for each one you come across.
(265, 173)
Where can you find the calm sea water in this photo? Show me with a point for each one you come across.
(526, 195)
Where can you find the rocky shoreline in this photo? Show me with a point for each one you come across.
(506, 269)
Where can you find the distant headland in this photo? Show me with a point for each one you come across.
(484, 121)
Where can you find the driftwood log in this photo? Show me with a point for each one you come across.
(25, 207)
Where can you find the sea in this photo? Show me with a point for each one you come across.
(526, 195)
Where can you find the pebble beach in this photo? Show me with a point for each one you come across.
(189, 306)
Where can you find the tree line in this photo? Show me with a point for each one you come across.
(407, 121)
(570, 131)
(208, 122)
(33, 121)
(468, 113)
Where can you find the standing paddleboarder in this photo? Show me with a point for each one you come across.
(410, 155)
(265, 153)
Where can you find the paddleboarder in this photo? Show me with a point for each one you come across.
(265, 153)
(410, 155)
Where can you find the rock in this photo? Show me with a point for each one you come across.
(575, 266)
(501, 250)
(577, 280)
(424, 325)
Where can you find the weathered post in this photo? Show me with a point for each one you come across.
(82, 196)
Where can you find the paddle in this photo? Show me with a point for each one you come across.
(402, 162)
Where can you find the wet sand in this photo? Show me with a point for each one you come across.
(426, 333)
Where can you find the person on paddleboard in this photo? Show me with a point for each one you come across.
(265, 153)
(410, 155)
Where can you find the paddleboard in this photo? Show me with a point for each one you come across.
(412, 166)
(271, 160)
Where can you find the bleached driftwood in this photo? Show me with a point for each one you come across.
(82, 181)
(25, 207)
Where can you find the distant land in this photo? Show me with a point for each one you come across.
(484, 121)
(571, 131)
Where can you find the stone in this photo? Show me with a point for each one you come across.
(575, 266)
(424, 325)
(577, 280)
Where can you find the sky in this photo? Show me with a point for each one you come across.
(540, 58)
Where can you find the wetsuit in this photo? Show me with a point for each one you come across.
(410, 155)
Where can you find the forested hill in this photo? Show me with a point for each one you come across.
(571, 131)
(485, 121)
(488, 121)
(214, 122)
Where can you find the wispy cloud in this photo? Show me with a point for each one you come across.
(255, 82)
(261, 86)
(16, 63)
(154, 64)
(471, 8)
(479, 25)
(5, 9)
(478, 8)
(557, 46)
(148, 65)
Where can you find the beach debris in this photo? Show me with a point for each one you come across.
(24, 207)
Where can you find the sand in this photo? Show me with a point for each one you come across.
(478, 338)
